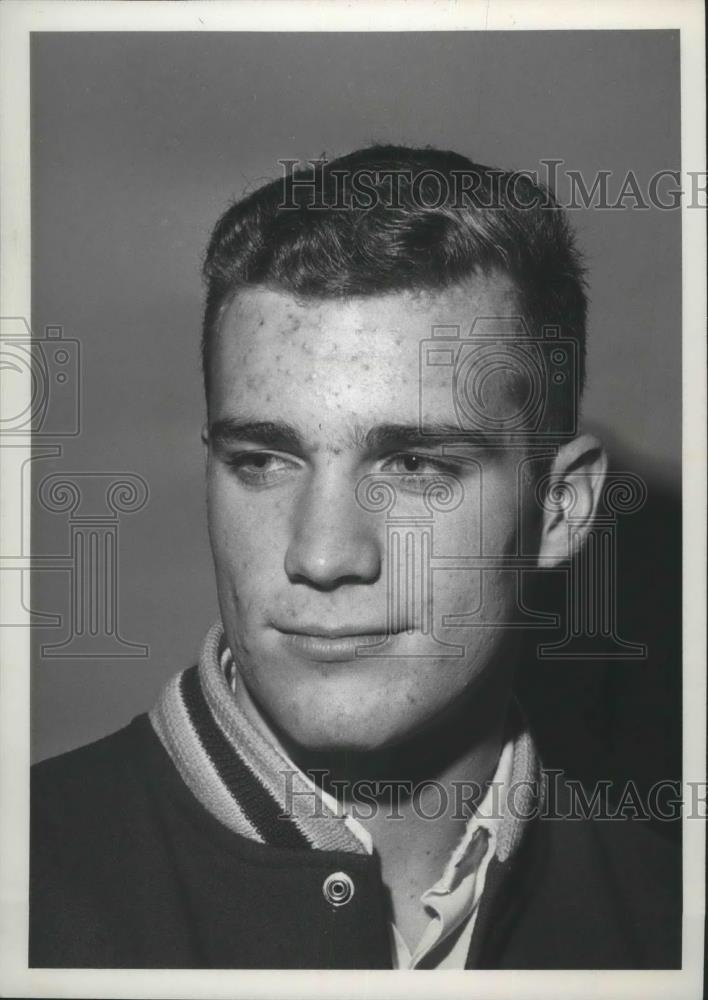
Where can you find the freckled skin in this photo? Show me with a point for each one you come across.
(303, 550)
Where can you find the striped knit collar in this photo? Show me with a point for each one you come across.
(248, 785)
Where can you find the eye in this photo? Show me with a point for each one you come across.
(407, 462)
(260, 468)
(411, 463)
(416, 472)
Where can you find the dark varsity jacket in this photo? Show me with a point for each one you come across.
(178, 843)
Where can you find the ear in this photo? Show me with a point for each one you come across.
(572, 495)
(205, 437)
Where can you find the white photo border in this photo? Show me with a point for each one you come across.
(18, 19)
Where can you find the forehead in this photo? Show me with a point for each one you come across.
(260, 321)
(277, 352)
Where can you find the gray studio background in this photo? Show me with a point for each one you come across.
(138, 143)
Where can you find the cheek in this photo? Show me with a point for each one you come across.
(500, 506)
(485, 523)
(233, 529)
(249, 536)
(484, 526)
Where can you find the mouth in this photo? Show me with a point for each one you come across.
(331, 645)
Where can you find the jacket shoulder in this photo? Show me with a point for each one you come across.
(81, 789)
(620, 875)
(89, 825)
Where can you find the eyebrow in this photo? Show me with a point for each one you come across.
(383, 437)
(269, 433)
(430, 435)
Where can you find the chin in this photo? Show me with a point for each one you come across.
(323, 727)
(324, 741)
(322, 732)
(357, 709)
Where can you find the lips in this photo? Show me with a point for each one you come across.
(330, 645)
(338, 632)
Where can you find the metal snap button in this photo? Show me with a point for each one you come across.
(338, 888)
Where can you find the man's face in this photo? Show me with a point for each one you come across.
(313, 566)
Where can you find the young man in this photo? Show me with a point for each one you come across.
(393, 352)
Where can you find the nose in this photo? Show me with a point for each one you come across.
(333, 541)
